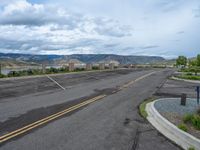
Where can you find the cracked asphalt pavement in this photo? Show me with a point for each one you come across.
(112, 123)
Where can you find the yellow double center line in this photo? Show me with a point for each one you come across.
(136, 80)
(47, 119)
(61, 113)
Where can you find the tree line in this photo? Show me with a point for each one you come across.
(183, 61)
(189, 65)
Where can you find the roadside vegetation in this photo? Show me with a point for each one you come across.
(190, 68)
(142, 107)
(191, 148)
(32, 72)
(190, 122)
(183, 127)
(193, 120)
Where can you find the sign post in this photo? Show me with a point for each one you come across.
(197, 89)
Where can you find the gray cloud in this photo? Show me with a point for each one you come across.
(150, 47)
(110, 27)
(24, 13)
(37, 46)
(169, 5)
(110, 31)
(180, 32)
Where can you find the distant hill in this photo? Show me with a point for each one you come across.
(11, 63)
(85, 58)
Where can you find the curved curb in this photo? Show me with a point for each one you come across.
(169, 130)
(179, 79)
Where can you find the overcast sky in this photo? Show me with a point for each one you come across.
(165, 28)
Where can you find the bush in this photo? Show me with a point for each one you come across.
(95, 68)
(189, 74)
(2, 76)
(13, 74)
(187, 118)
(193, 119)
(196, 121)
(183, 127)
(191, 148)
(79, 69)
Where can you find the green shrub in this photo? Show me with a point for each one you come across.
(187, 118)
(189, 74)
(196, 121)
(191, 148)
(95, 68)
(183, 127)
(80, 69)
(2, 76)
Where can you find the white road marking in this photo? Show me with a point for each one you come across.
(56, 82)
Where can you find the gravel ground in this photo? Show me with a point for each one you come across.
(171, 109)
(172, 105)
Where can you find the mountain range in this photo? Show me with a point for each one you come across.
(85, 58)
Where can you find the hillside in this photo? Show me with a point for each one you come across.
(86, 58)
(12, 63)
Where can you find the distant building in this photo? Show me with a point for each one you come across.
(108, 62)
(111, 66)
(102, 66)
(88, 66)
(71, 66)
(43, 68)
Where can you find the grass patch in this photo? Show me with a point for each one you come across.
(189, 77)
(187, 118)
(193, 119)
(191, 148)
(142, 107)
(183, 127)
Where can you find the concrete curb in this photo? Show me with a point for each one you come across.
(169, 130)
(191, 81)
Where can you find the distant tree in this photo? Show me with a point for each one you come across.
(192, 63)
(181, 61)
(198, 60)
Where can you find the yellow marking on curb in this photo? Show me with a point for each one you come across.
(47, 119)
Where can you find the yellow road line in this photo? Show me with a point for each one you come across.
(47, 119)
(61, 113)
(136, 80)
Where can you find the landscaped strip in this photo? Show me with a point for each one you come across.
(182, 138)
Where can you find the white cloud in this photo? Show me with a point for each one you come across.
(100, 26)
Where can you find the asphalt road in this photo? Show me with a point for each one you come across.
(112, 123)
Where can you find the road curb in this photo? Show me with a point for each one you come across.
(191, 81)
(169, 130)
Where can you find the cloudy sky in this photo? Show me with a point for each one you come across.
(165, 28)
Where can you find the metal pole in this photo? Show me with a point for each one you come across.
(197, 89)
